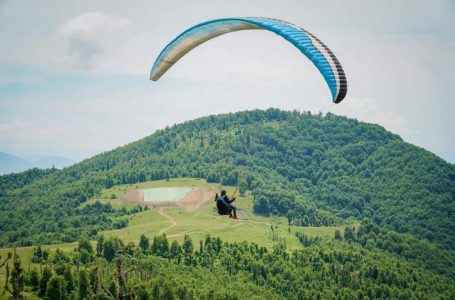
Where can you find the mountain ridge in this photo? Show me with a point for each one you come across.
(10, 163)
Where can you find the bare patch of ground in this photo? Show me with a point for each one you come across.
(197, 197)
(173, 223)
(136, 196)
(190, 202)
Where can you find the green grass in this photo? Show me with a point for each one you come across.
(205, 220)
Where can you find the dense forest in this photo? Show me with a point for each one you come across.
(338, 268)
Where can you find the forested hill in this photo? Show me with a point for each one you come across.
(315, 169)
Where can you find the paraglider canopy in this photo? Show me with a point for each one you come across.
(307, 43)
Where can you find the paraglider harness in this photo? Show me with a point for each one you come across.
(223, 204)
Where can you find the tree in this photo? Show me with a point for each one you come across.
(338, 235)
(160, 245)
(45, 277)
(60, 257)
(349, 233)
(37, 254)
(17, 277)
(187, 245)
(121, 275)
(14, 281)
(84, 285)
(86, 250)
(56, 288)
(144, 243)
(175, 249)
(99, 245)
(290, 216)
(69, 281)
(33, 279)
(85, 244)
(85, 256)
(109, 250)
(95, 282)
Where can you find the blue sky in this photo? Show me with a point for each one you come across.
(74, 75)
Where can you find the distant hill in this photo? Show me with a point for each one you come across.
(13, 164)
(314, 169)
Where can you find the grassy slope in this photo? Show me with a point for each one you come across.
(197, 224)
(205, 220)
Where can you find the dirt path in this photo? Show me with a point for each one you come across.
(238, 224)
(258, 222)
(171, 219)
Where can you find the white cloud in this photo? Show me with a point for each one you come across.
(93, 34)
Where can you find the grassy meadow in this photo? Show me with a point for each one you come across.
(175, 222)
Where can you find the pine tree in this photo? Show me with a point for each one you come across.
(37, 254)
(349, 233)
(56, 288)
(95, 281)
(338, 235)
(86, 250)
(84, 285)
(69, 280)
(175, 249)
(144, 243)
(99, 245)
(17, 277)
(187, 245)
(120, 273)
(109, 250)
(33, 279)
(45, 277)
(164, 245)
(85, 244)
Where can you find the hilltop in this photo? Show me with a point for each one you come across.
(315, 169)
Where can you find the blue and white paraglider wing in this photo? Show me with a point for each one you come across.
(307, 43)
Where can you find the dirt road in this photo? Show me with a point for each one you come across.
(173, 223)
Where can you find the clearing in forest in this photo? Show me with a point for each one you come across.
(194, 215)
(186, 197)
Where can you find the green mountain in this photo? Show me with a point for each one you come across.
(316, 170)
